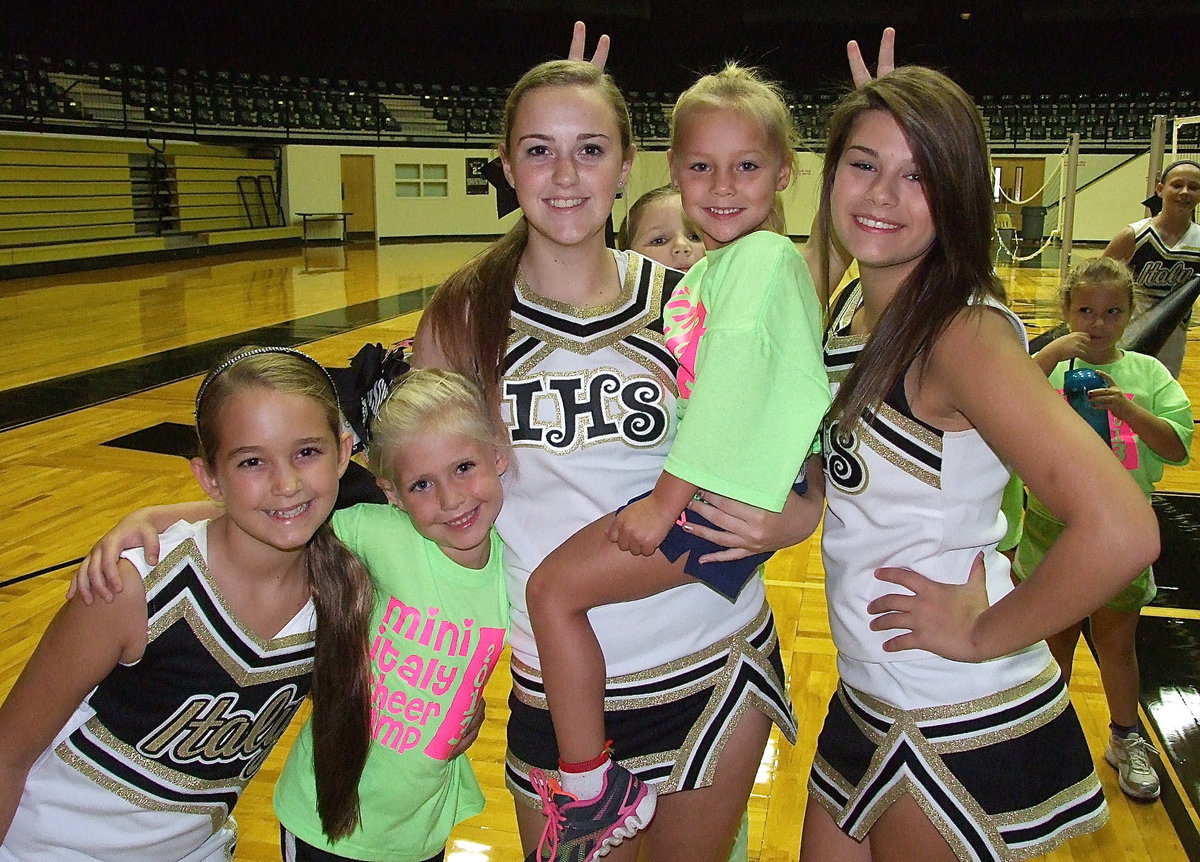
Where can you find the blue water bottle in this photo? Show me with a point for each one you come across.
(1077, 383)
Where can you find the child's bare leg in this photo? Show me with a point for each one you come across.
(700, 825)
(1062, 647)
(585, 572)
(1113, 634)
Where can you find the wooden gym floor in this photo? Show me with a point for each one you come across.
(98, 371)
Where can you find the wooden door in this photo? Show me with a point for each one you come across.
(358, 195)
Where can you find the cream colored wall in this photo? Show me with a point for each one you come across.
(313, 181)
(313, 177)
(1107, 206)
(1115, 188)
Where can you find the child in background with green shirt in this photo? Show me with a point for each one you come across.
(745, 328)
(1150, 422)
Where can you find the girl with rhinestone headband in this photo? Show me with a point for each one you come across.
(137, 723)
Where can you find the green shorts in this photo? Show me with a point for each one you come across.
(1012, 505)
(1040, 533)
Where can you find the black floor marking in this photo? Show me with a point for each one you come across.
(10, 581)
(165, 438)
(38, 401)
(1179, 563)
(1169, 660)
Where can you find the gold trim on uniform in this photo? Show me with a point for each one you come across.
(568, 309)
(736, 644)
(911, 427)
(215, 811)
(189, 548)
(906, 731)
(166, 774)
(523, 327)
(908, 735)
(912, 720)
(663, 375)
(184, 607)
(906, 786)
(899, 460)
(1085, 788)
(531, 360)
(840, 344)
(739, 652)
(228, 661)
(752, 700)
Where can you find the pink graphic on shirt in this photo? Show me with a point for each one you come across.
(409, 685)
(488, 644)
(1124, 440)
(1122, 437)
(686, 325)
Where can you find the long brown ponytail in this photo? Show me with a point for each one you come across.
(343, 594)
(341, 588)
(468, 315)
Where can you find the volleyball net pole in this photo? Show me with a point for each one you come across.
(1067, 217)
(1158, 144)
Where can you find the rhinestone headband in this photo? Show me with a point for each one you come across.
(258, 351)
(1162, 178)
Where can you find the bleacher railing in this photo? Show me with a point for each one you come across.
(132, 100)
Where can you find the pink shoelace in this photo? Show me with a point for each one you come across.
(546, 788)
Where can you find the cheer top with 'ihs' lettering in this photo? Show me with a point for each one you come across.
(589, 401)
(153, 761)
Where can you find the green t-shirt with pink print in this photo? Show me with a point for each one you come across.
(435, 636)
(1149, 384)
(745, 326)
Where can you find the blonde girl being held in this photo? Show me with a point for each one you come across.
(243, 591)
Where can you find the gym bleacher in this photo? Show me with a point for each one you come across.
(128, 161)
(42, 94)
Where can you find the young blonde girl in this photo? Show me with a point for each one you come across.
(951, 734)
(137, 723)
(432, 636)
(744, 326)
(1150, 421)
(436, 630)
(655, 227)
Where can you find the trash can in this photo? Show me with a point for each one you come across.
(1033, 223)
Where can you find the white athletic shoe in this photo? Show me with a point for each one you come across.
(1130, 756)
